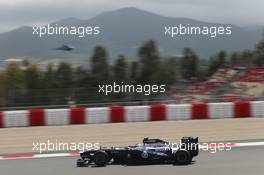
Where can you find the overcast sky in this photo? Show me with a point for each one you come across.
(16, 13)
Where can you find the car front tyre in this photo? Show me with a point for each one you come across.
(100, 158)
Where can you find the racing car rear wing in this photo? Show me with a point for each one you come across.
(189, 140)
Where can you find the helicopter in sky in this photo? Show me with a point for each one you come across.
(65, 47)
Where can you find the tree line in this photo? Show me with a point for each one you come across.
(58, 84)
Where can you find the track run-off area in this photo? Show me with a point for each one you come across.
(240, 161)
(20, 140)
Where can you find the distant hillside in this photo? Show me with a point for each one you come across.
(122, 32)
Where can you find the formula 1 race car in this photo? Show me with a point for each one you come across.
(150, 152)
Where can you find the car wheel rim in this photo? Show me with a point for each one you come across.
(100, 158)
(182, 158)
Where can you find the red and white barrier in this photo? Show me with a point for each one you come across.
(116, 114)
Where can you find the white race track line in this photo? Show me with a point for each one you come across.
(35, 156)
(248, 144)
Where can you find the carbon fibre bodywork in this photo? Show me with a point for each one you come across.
(151, 151)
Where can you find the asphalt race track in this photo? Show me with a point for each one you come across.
(239, 161)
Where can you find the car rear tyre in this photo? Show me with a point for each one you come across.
(100, 158)
(182, 157)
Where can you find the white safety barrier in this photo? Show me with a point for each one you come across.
(46, 117)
